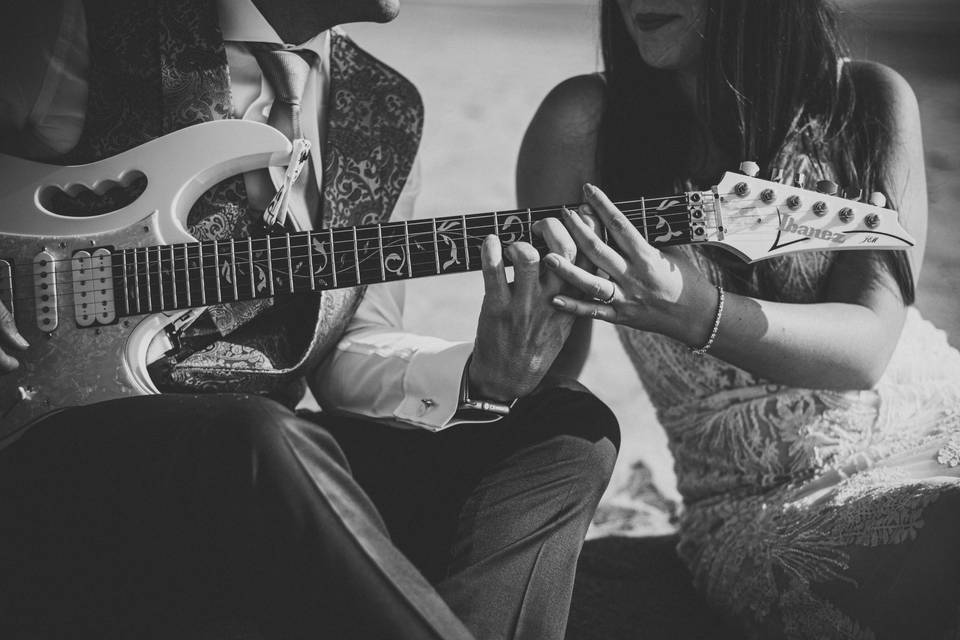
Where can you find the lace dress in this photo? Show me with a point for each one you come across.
(811, 513)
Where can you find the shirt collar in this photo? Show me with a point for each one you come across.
(241, 21)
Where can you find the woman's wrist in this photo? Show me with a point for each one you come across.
(694, 316)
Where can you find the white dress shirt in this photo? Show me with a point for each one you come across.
(377, 371)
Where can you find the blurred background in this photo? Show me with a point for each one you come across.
(483, 66)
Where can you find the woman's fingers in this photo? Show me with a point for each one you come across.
(592, 247)
(591, 285)
(584, 308)
(621, 230)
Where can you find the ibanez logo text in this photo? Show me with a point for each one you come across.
(790, 225)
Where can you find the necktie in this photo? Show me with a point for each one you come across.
(287, 72)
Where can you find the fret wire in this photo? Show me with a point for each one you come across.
(406, 240)
(233, 268)
(160, 277)
(126, 291)
(356, 255)
(270, 263)
(383, 267)
(466, 248)
(290, 264)
(253, 281)
(186, 271)
(436, 246)
(529, 226)
(146, 262)
(643, 218)
(203, 279)
(496, 225)
(313, 276)
(136, 281)
(216, 269)
(333, 258)
(173, 277)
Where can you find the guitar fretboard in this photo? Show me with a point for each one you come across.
(169, 277)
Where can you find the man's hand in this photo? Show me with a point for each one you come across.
(519, 333)
(10, 338)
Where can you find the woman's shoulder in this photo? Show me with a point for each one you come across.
(575, 106)
(880, 87)
(558, 152)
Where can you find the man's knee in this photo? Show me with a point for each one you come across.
(582, 429)
(270, 435)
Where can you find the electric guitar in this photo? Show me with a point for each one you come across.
(91, 293)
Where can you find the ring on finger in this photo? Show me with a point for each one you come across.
(598, 293)
(593, 314)
(613, 294)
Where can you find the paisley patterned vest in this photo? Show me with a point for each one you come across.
(160, 65)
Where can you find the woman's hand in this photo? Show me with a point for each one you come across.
(10, 338)
(648, 289)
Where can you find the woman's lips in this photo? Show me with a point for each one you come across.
(652, 21)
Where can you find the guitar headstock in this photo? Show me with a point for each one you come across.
(758, 219)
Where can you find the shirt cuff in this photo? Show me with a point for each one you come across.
(431, 387)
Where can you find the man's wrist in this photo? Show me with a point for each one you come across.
(475, 401)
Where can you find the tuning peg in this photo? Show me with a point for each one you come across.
(749, 168)
(799, 179)
(849, 194)
(828, 187)
(877, 199)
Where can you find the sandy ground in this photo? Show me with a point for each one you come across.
(483, 66)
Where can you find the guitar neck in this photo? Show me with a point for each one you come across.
(168, 277)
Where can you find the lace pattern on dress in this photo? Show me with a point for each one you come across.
(781, 485)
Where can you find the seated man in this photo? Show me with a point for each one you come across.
(427, 501)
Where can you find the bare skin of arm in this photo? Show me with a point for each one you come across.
(557, 156)
(843, 343)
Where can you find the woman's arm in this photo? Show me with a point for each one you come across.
(558, 154)
(843, 343)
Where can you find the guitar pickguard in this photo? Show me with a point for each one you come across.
(84, 354)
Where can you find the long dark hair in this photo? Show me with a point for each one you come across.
(771, 89)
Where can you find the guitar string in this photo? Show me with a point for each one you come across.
(371, 254)
(294, 277)
(349, 270)
(644, 215)
(539, 210)
(170, 275)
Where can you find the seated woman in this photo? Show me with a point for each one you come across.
(813, 415)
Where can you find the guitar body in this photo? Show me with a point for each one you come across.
(69, 364)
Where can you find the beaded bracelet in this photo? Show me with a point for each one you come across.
(713, 332)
